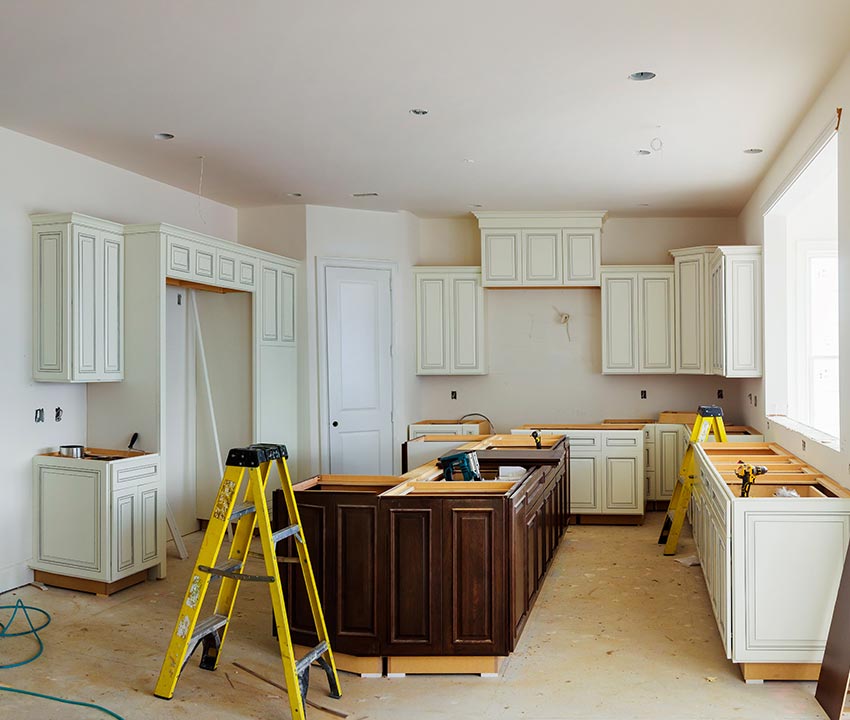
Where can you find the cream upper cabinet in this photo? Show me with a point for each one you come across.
(78, 299)
(719, 310)
(736, 308)
(580, 257)
(277, 303)
(450, 321)
(637, 319)
(540, 249)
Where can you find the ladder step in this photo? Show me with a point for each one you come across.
(241, 509)
(207, 626)
(311, 657)
(285, 533)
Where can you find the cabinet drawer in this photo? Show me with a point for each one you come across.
(622, 440)
(136, 474)
(649, 457)
(584, 440)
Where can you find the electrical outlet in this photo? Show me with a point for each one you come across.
(57, 414)
(179, 298)
(643, 394)
(750, 398)
(804, 444)
(39, 415)
(755, 400)
(720, 394)
(454, 394)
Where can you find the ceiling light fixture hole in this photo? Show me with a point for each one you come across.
(754, 151)
(643, 151)
(364, 194)
(163, 136)
(418, 111)
(642, 75)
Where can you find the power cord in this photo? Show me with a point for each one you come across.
(33, 630)
(481, 415)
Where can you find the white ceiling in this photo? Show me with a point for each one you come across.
(313, 96)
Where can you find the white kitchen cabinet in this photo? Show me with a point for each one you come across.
(447, 427)
(207, 260)
(540, 249)
(719, 310)
(78, 299)
(638, 319)
(450, 321)
(277, 303)
(98, 520)
(606, 470)
(736, 311)
(772, 565)
(668, 458)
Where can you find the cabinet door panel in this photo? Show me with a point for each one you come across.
(619, 316)
(432, 319)
(501, 258)
(287, 307)
(691, 307)
(179, 257)
(743, 317)
(668, 462)
(247, 272)
(655, 337)
(718, 317)
(585, 490)
(517, 569)
(623, 481)
(69, 505)
(124, 548)
(473, 564)
(541, 257)
(149, 527)
(580, 258)
(467, 325)
(356, 622)
(315, 522)
(226, 268)
(204, 263)
(113, 305)
(85, 302)
(414, 595)
(270, 304)
(50, 284)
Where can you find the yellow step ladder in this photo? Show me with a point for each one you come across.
(252, 512)
(709, 420)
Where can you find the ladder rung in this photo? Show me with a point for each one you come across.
(311, 657)
(207, 626)
(241, 509)
(285, 533)
(228, 570)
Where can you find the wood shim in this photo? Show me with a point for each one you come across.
(835, 669)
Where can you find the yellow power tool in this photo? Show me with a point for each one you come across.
(748, 473)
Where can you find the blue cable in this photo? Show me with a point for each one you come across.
(33, 630)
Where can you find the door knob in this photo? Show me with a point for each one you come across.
(335, 423)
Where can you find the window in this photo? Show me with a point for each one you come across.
(801, 296)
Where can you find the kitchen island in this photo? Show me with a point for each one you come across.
(434, 576)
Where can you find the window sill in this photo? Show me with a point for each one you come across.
(809, 433)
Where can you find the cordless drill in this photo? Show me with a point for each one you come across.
(748, 473)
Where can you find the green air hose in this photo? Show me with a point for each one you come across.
(33, 630)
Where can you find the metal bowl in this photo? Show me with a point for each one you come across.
(72, 451)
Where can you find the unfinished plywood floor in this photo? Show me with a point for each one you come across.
(619, 632)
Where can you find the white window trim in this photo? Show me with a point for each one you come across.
(809, 433)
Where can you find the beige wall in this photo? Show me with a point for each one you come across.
(751, 232)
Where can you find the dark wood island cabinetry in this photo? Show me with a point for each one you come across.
(418, 569)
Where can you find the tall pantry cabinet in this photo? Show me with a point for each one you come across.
(78, 298)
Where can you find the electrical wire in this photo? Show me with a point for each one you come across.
(33, 630)
(482, 415)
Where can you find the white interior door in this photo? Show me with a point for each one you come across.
(358, 304)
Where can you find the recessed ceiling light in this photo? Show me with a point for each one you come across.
(643, 152)
(753, 151)
(642, 75)
(163, 136)
(469, 160)
(643, 204)
(293, 194)
(418, 111)
(366, 194)
(475, 205)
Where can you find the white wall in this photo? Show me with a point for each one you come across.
(536, 373)
(39, 177)
(751, 231)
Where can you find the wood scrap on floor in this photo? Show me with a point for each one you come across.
(311, 703)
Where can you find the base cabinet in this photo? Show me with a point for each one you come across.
(97, 520)
(424, 575)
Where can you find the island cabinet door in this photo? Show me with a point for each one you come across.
(355, 582)
(316, 516)
(474, 577)
(411, 599)
(518, 577)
